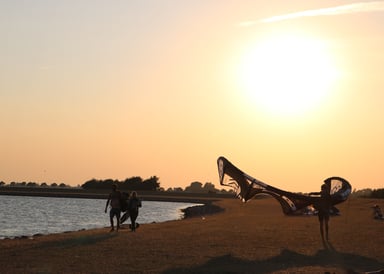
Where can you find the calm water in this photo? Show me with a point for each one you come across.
(27, 216)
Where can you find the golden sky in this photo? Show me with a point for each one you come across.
(290, 92)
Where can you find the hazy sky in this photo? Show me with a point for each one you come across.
(291, 92)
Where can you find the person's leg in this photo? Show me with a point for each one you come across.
(133, 215)
(321, 222)
(326, 227)
(133, 223)
(111, 214)
(118, 220)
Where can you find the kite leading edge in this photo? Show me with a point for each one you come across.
(246, 187)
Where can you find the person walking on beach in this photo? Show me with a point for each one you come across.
(133, 208)
(115, 211)
(324, 206)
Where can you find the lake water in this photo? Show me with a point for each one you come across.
(27, 216)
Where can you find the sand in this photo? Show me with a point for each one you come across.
(244, 238)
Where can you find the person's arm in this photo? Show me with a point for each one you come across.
(106, 205)
(314, 193)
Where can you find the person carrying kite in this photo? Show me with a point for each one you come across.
(323, 206)
(114, 199)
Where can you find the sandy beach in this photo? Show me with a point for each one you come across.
(243, 238)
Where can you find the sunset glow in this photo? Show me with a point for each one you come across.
(292, 92)
(287, 75)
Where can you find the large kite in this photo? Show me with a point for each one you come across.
(246, 187)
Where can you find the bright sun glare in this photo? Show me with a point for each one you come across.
(287, 75)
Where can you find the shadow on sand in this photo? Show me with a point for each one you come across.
(78, 241)
(287, 259)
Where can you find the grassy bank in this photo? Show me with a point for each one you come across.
(244, 238)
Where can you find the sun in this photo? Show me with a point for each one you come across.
(287, 75)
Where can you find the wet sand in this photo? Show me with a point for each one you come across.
(242, 238)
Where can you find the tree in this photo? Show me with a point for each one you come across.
(209, 188)
(133, 183)
(378, 193)
(151, 183)
(175, 189)
(195, 187)
(98, 184)
(366, 192)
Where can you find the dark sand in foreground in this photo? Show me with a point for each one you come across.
(244, 238)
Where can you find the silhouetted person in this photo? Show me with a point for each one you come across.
(115, 211)
(377, 214)
(323, 207)
(133, 208)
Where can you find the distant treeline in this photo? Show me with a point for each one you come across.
(33, 184)
(129, 184)
(133, 183)
(369, 193)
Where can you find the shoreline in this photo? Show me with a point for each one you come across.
(202, 208)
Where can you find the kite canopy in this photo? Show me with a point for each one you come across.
(246, 187)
